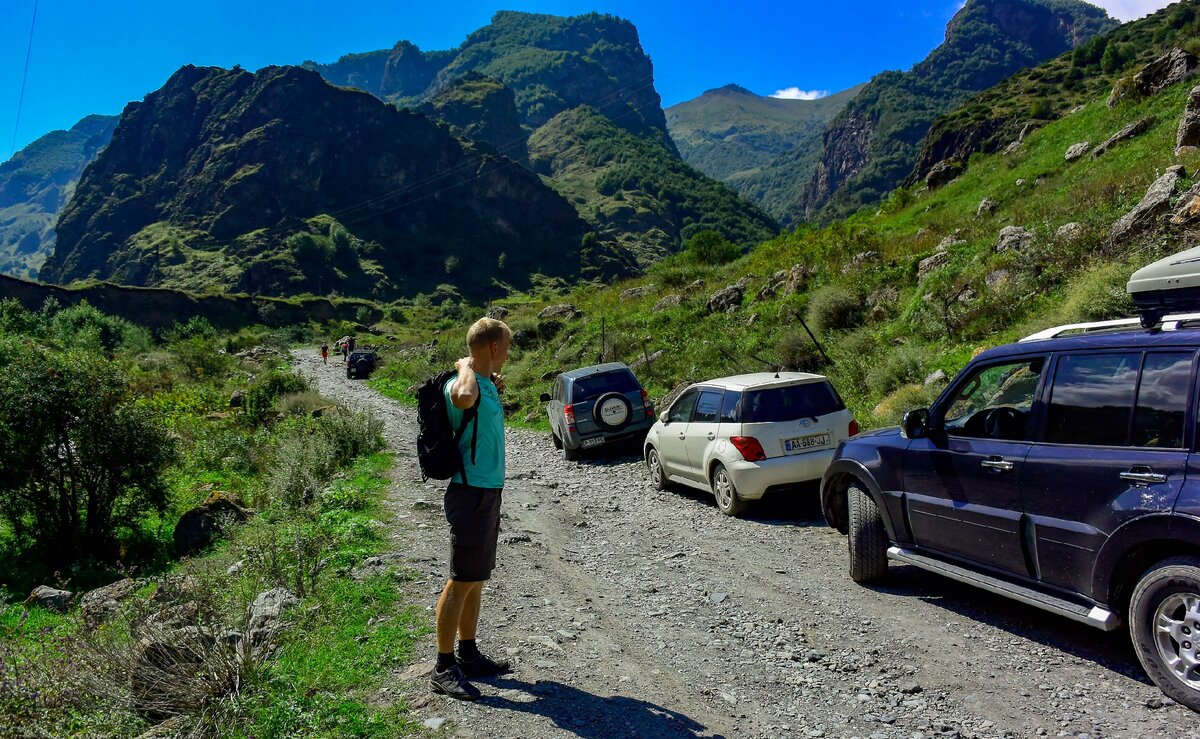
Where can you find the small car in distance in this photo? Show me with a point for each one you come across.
(596, 406)
(361, 364)
(744, 436)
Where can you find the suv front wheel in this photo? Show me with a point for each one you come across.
(868, 538)
(1164, 624)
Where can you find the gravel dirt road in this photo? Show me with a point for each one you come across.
(632, 613)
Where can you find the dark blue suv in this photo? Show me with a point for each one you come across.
(1061, 471)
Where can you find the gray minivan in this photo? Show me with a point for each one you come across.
(594, 406)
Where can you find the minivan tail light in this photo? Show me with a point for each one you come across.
(751, 450)
(646, 403)
(569, 414)
(853, 427)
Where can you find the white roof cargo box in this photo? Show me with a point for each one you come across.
(1167, 286)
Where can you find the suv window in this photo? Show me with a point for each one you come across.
(731, 408)
(1092, 399)
(791, 403)
(708, 407)
(681, 409)
(589, 388)
(996, 401)
(1162, 400)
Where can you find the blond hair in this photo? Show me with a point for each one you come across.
(486, 330)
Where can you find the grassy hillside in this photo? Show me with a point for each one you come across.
(638, 197)
(764, 148)
(885, 329)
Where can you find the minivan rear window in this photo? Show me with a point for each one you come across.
(791, 403)
(588, 388)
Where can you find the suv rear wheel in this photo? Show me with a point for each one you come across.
(726, 494)
(868, 539)
(1164, 624)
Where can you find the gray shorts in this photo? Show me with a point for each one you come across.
(474, 516)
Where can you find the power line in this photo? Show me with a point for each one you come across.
(24, 77)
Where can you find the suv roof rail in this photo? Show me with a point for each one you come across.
(1166, 323)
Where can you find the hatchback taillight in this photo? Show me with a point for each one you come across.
(751, 450)
(569, 414)
(646, 403)
(853, 427)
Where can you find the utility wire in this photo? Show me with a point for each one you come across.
(24, 77)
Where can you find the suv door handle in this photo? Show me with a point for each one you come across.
(998, 464)
(1141, 475)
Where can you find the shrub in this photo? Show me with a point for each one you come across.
(1098, 294)
(79, 457)
(831, 308)
(797, 352)
(900, 366)
(710, 247)
(260, 399)
(891, 409)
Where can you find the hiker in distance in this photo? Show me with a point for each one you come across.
(472, 508)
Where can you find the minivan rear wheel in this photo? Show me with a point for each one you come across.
(868, 539)
(726, 493)
(1164, 625)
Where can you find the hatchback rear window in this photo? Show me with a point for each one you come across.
(587, 388)
(790, 403)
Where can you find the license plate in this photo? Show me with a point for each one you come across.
(804, 443)
(589, 443)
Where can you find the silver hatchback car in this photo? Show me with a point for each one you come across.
(742, 437)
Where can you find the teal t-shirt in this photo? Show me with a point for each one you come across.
(488, 469)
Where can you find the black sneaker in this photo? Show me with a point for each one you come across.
(453, 682)
(483, 666)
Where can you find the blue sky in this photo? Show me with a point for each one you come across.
(93, 57)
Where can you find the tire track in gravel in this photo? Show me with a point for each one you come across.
(630, 612)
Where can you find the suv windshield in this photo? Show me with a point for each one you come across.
(790, 403)
(587, 388)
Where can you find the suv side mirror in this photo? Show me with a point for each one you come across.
(915, 424)
(545, 398)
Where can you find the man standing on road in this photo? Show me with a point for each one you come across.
(473, 509)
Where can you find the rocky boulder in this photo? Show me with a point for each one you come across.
(1069, 232)
(237, 399)
(1146, 214)
(1078, 151)
(667, 303)
(943, 173)
(645, 360)
(860, 261)
(1189, 126)
(1133, 130)
(563, 311)
(102, 604)
(1188, 209)
(525, 337)
(50, 598)
(726, 300)
(927, 265)
(198, 527)
(264, 617)
(498, 312)
(986, 206)
(797, 277)
(637, 293)
(1169, 69)
(1014, 238)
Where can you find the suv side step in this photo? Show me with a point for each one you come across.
(1096, 616)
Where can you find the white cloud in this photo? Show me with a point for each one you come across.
(795, 93)
(1128, 10)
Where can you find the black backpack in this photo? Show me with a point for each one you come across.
(437, 441)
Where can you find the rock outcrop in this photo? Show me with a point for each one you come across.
(1014, 238)
(1133, 130)
(1187, 211)
(264, 616)
(726, 300)
(1078, 151)
(937, 260)
(1169, 69)
(1188, 136)
(198, 527)
(1146, 214)
(102, 604)
(943, 173)
(562, 311)
(52, 599)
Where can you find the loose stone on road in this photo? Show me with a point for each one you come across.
(633, 613)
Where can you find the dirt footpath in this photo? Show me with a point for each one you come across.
(633, 613)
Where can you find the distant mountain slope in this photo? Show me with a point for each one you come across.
(637, 195)
(279, 183)
(996, 117)
(764, 148)
(874, 143)
(34, 186)
(551, 64)
(481, 109)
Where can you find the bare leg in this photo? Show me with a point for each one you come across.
(468, 622)
(449, 612)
